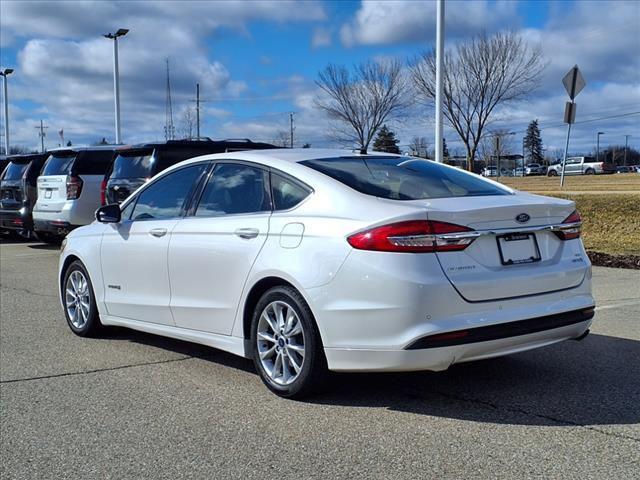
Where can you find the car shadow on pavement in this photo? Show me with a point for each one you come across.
(593, 382)
(44, 246)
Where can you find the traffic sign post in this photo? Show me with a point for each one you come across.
(573, 83)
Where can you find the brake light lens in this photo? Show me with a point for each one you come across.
(103, 192)
(573, 228)
(415, 236)
(74, 188)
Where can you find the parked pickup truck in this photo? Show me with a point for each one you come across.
(581, 166)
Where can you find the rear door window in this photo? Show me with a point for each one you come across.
(166, 197)
(287, 193)
(93, 162)
(58, 165)
(15, 171)
(404, 178)
(234, 189)
(136, 166)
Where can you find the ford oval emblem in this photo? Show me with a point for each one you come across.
(523, 218)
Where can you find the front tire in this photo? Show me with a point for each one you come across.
(286, 345)
(79, 302)
(552, 173)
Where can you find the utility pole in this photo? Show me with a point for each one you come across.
(42, 127)
(626, 142)
(116, 77)
(291, 127)
(4, 73)
(198, 111)
(439, 79)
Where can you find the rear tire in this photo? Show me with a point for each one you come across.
(285, 344)
(590, 171)
(79, 302)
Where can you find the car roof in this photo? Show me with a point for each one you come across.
(78, 148)
(296, 155)
(26, 157)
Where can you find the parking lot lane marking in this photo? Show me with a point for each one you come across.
(618, 305)
(43, 254)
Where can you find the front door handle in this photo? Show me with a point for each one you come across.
(158, 232)
(247, 233)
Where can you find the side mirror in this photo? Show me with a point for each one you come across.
(109, 213)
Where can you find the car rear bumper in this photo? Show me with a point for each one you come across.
(16, 219)
(55, 227)
(441, 358)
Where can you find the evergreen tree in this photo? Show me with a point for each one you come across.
(386, 141)
(445, 149)
(533, 143)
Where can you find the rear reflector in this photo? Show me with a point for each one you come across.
(573, 226)
(414, 236)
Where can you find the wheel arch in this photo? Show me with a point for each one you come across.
(254, 295)
(65, 265)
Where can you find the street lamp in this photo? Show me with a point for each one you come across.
(116, 82)
(4, 74)
(598, 146)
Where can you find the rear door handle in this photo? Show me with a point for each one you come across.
(247, 233)
(158, 232)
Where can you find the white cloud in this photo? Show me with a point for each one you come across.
(380, 22)
(65, 65)
(321, 38)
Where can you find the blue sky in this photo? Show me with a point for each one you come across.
(257, 61)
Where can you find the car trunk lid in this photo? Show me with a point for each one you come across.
(514, 253)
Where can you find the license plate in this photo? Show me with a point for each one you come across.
(47, 193)
(518, 248)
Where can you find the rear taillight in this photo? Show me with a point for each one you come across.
(103, 192)
(74, 188)
(570, 227)
(415, 236)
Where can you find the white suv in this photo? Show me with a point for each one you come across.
(69, 190)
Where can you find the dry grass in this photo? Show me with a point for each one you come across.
(609, 205)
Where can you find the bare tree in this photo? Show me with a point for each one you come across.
(282, 139)
(419, 147)
(480, 75)
(487, 147)
(362, 100)
(187, 126)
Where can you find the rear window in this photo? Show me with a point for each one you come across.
(15, 171)
(58, 165)
(404, 178)
(139, 166)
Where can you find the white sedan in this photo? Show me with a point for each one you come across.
(314, 260)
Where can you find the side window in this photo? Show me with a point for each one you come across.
(235, 188)
(165, 197)
(286, 193)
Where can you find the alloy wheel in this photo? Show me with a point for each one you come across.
(77, 299)
(281, 342)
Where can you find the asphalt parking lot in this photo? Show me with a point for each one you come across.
(137, 406)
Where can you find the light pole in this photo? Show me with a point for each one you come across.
(4, 73)
(440, 80)
(116, 82)
(598, 146)
(626, 142)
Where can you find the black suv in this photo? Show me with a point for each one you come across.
(134, 165)
(18, 192)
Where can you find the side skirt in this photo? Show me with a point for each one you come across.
(227, 343)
